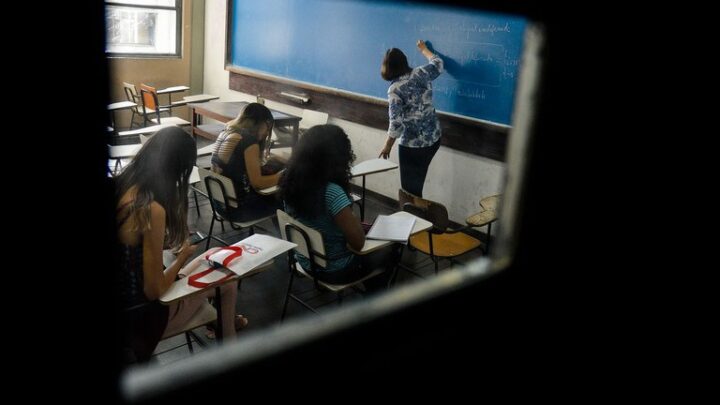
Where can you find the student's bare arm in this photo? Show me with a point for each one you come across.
(158, 281)
(351, 228)
(252, 165)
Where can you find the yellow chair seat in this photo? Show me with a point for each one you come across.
(445, 244)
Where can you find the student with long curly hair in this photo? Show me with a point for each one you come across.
(315, 189)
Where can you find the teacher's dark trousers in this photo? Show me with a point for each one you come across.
(414, 163)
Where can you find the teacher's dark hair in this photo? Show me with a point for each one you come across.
(394, 64)
(322, 155)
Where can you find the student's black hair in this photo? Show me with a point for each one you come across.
(161, 171)
(394, 64)
(322, 155)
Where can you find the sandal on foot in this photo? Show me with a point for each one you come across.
(240, 323)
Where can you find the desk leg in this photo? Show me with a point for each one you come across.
(487, 245)
(170, 104)
(194, 123)
(295, 134)
(112, 122)
(362, 205)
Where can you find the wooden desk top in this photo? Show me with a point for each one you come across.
(146, 130)
(181, 290)
(124, 151)
(194, 176)
(177, 121)
(481, 218)
(173, 89)
(372, 166)
(491, 202)
(197, 98)
(206, 150)
(268, 191)
(225, 111)
(281, 154)
(120, 105)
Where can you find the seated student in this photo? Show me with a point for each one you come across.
(237, 155)
(315, 189)
(152, 213)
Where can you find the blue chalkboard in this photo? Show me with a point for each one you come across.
(340, 44)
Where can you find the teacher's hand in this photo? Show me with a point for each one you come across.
(385, 153)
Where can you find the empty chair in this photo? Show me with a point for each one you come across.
(309, 119)
(440, 241)
(132, 95)
(151, 107)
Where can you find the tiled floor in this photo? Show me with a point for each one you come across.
(261, 296)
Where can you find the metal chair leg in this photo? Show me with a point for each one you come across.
(212, 223)
(189, 342)
(287, 295)
(487, 244)
(197, 207)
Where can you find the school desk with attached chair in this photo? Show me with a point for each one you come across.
(151, 106)
(120, 105)
(121, 153)
(441, 241)
(169, 91)
(310, 244)
(181, 289)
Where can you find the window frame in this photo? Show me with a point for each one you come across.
(178, 32)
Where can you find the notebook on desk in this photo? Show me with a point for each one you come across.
(392, 228)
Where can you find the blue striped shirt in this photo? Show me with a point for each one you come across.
(412, 115)
(334, 240)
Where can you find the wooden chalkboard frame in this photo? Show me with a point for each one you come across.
(468, 135)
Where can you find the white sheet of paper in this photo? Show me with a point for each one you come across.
(392, 228)
(257, 249)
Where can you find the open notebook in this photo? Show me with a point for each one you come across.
(392, 228)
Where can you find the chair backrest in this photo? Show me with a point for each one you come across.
(149, 96)
(426, 209)
(311, 118)
(131, 93)
(218, 187)
(309, 241)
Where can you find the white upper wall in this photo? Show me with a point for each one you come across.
(456, 179)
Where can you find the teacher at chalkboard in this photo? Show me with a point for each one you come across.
(412, 115)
